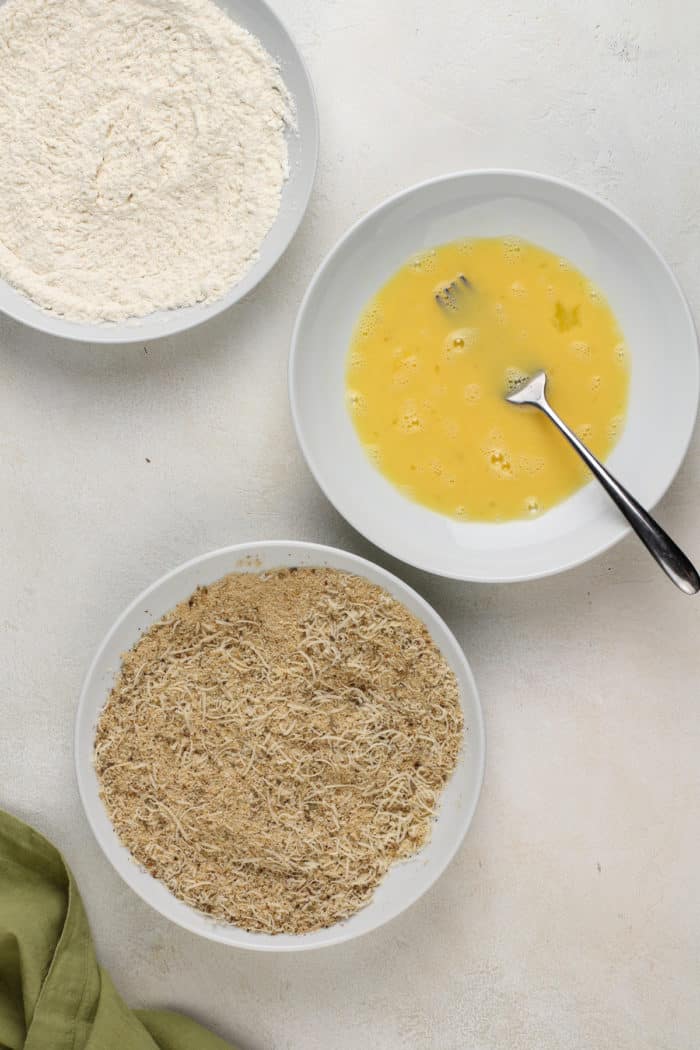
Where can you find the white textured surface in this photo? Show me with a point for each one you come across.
(571, 918)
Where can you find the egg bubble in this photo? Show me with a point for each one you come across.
(357, 360)
(615, 426)
(410, 422)
(370, 320)
(451, 428)
(472, 392)
(518, 289)
(423, 262)
(373, 452)
(500, 313)
(514, 378)
(500, 463)
(531, 464)
(621, 353)
(405, 366)
(459, 341)
(596, 382)
(584, 431)
(581, 348)
(357, 402)
(532, 506)
(512, 249)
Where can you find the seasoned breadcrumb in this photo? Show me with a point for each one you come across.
(274, 744)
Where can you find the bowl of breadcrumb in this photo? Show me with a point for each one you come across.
(279, 746)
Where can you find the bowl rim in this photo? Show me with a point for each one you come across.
(337, 933)
(618, 532)
(128, 332)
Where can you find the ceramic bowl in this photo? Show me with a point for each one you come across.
(263, 23)
(601, 242)
(405, 882)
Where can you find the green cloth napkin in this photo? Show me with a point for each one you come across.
(53, 995)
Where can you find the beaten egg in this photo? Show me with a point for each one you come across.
(425, 382)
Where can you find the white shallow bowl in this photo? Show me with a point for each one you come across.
(607, 247)
(263, 23)
(405, 882)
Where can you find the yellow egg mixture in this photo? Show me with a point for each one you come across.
(425, 383)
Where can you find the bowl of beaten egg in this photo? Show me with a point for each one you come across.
(397, 380)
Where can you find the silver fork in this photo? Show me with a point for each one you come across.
(450, 296)
(661, 547)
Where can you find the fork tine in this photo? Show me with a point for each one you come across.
(449, 295)
(445, 300)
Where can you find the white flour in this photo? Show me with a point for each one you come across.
(143, 153)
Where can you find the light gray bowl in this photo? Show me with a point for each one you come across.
(262, 22)
(602, 243)
(404, 883)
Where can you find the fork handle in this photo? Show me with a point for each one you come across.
(659, 544)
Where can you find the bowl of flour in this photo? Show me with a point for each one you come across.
(158, 157)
